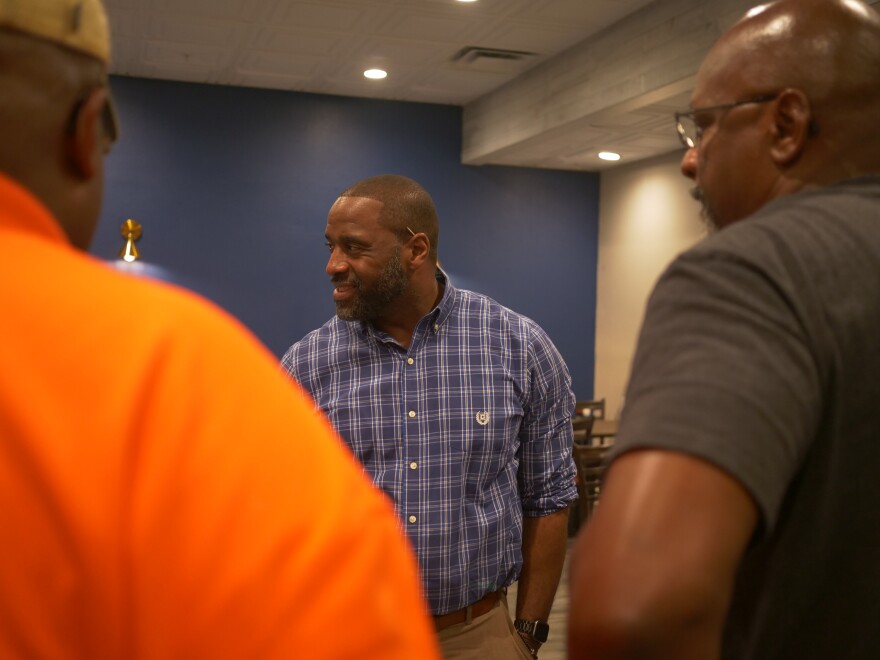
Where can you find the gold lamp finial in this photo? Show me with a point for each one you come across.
(131, 232)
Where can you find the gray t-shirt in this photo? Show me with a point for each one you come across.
(760, 353)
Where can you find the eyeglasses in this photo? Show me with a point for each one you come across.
(690, 133)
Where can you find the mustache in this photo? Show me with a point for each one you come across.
(337, 280)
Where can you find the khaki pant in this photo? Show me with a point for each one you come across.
(488, 637)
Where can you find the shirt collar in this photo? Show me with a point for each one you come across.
(444, 308)
(21, 211)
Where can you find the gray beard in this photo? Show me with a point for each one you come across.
(706, 213)
(369, 305)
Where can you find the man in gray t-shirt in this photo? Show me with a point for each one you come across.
(739, 515)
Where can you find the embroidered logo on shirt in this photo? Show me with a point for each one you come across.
(482, 418)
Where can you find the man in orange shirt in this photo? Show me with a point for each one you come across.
(164, 491)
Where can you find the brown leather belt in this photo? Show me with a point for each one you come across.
(479, 608)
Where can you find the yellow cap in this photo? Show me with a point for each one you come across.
(77, 24)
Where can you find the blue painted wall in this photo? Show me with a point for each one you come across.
(233, 186)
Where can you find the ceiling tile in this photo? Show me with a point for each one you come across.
(163, 53)
(263, 62)
(322, 16)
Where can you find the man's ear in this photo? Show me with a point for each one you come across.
(86, 142)
(792, 124)
(420, 249)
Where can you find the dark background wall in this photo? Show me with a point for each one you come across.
(232, 187)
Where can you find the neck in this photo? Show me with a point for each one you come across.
(403, 315)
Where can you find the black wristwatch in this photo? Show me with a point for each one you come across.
(537, 630)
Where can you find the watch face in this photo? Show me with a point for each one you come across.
(537, 630)
(541, 631)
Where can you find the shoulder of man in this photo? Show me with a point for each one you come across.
(487, 305)
(316, 342)
(784, 222)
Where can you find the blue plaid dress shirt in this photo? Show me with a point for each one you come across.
(466, 431)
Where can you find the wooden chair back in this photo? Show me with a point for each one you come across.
(590, 463)
(594, 408)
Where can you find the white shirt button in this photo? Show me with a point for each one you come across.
(412, 413)
(412, 519)
(410, 361)
(413, 465)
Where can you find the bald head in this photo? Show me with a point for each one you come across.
(405, 204)
(827, 49)
(787, 100)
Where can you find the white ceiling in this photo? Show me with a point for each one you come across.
(324, 46)
(545, 109)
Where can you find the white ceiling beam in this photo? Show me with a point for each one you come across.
(643, 60)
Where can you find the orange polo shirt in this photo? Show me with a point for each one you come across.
(165, 492)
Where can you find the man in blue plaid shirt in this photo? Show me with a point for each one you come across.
(460, 410)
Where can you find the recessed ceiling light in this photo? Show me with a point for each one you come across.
(609, 155)
(467, 0)
(375, 74)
